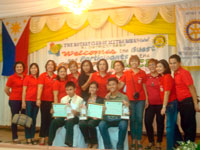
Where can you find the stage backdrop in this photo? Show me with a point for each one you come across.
(145, 46)
(188, 34)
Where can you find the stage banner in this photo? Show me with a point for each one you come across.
(188, 33)
(145, 46)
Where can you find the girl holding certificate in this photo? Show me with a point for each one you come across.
(14, 90)
(135, 80)
(168, 96)
(29, 97)
(45, 98)
(101, 77)
(59, 85)
(73, 68)
(88, 127)
(84, 78)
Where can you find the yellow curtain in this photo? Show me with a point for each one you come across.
(40, 40)
(158, 26)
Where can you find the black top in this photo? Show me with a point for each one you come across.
(99, 100)
(81, 81)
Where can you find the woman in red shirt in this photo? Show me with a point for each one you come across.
(119, 72)
(59, 85)
(73, 68)
(101, 77)
(154, 106)
(14, 90)
(168, 97)
(135, 80)
(29, 96)
(45, 98)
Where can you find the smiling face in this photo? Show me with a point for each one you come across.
(118, 67)
(174, 64)
(73, 68)
(50, 67)
(93, 89)
(160, 68)
(86, 67)
(112, 86)
(134, 63)
(152, 67)
(19, 69)
(34, 70)
(62, 73)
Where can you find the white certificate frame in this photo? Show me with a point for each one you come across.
(113, 107)
(62, 112)
(93, 114)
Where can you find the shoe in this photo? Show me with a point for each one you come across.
(139, 146)
(34, 142)
(133, 146)
(94, 146)
(16, 141)
(149, 147)
(28, 141)
(42, 141)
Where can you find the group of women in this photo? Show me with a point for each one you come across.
(154, 91)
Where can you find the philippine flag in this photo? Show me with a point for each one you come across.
(15, 32)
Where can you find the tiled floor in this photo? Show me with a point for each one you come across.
(5, 137)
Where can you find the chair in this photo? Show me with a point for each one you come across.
(113, 132)
(78, 139)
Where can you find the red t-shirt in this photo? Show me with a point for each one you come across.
(70, 77)
(15, 82)
(182, 79)
(31, 92)
(102, 82)
(153, 90)
(60, 87)
(139, 79)
(167, 84)
(119, 79)
(47, 82)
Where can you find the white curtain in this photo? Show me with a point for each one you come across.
(13, 8)
(109, 30)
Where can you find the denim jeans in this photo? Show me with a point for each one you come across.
(31, 111)
(171, 112)
(136, 118)
(103, 127)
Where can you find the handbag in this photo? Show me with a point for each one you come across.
(22, 119)
(136, 94)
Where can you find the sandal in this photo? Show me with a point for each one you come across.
(158, 148)
(133, 146)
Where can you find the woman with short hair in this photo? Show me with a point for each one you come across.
(13, 89)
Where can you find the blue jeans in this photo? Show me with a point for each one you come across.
(103, 127)
(136, 118)
(31, 111)
(171, 112)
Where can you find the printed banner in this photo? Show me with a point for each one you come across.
(188, 33)
(145, 46)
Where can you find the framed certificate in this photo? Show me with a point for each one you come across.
(60, 110)
(113, 108)
(125, 112)
(95, 110)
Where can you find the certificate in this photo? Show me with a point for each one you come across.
(95, 111)
(113, 108)
(60, 110)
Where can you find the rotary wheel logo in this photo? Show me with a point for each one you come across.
(192, 31)
(159, 41)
